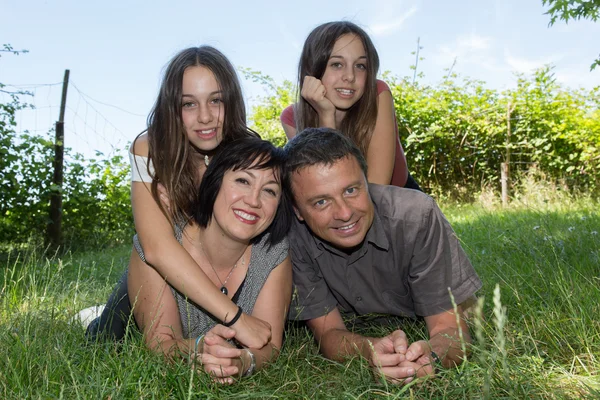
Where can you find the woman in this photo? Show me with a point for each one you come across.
(339, 89)
(238, 239)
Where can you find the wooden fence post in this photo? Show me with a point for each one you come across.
(505, 166)
(54, 231)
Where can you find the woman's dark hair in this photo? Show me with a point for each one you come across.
(174, 159)
(359, 122)
(240, 154)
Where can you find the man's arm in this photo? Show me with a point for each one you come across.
(384, 354)
(445, 336)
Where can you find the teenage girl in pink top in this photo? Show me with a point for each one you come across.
(339, 89)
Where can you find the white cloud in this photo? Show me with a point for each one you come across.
(473, 42)
(466, 49)
(391, 25)
(289, 38)
(577, 76)
(524, 65)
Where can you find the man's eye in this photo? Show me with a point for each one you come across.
(320, 203)
(351, 190)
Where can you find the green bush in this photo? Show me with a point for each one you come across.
(457, 133)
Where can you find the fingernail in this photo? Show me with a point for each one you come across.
(410, 371)
(409, 355)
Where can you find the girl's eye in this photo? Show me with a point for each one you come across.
(361, 66)
(336, 65)
(216, 101)
(187, 104)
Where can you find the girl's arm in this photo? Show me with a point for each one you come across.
(173, 263)
(381, 154)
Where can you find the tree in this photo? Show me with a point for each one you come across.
(574, 10)
(264, 116)
(96, 202)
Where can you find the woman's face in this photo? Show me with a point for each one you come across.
(346, 72)
(246, 203)
(202, 108)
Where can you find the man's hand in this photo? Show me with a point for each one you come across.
(388, 358)
(418, 357)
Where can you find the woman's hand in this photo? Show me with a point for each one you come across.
(252, 332)
(219, 358)
(314, 92)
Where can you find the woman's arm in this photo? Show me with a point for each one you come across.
(155, 309)
(156, 313)
(272, 306)
(381, 154)
(173, 263)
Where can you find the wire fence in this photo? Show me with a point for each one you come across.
(89, 128)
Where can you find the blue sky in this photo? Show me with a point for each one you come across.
(116, 50)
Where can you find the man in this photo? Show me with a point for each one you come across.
(362, 248)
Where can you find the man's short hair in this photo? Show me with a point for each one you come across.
(323, 146)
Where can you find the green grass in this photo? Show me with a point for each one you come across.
(539, 336)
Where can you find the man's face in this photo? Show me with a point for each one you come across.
(334, 201)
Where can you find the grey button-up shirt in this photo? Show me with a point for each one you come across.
(406, 265)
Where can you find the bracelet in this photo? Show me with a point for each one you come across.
(252, 366)
(234, 319)
(437, 362)
(198, 340)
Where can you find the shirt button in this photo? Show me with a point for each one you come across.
(358, 298)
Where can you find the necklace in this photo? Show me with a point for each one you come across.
(223, 283)
(206, 160)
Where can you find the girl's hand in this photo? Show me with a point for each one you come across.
(164, 196)
(252, 332)
(314, 92)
